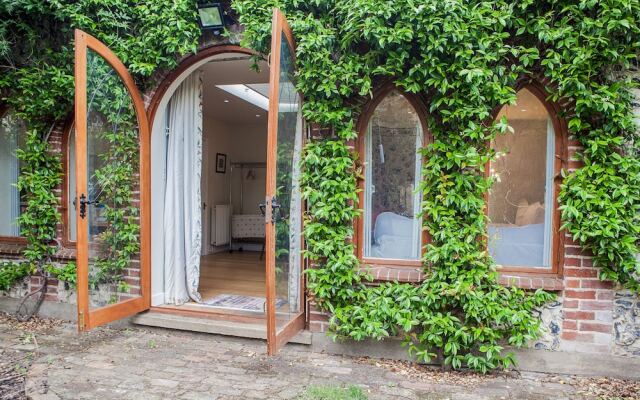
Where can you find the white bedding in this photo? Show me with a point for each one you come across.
(393, 237)
(521, 246)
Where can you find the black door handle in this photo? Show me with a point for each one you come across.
(83, 205)
(274, 206)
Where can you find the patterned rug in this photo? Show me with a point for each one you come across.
(239, 302)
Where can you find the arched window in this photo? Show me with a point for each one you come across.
(390, 227)
(12, 137)
(523, 228)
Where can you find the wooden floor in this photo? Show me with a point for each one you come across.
(240, 273)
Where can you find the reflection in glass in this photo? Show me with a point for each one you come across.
(12, 137)
(392, 226)
(288, 222)
(521, 199)
(71, 186)
(112, 211)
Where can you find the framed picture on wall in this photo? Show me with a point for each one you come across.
(221, 163)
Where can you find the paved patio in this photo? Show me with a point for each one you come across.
(138, 363)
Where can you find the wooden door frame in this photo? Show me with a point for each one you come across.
(88, 319)
(276, 339)
(159, 94)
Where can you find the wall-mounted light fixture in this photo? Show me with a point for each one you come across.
(211, 17)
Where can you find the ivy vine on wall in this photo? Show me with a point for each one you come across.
(465, 59)
(36, 81)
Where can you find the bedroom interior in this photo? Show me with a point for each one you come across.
(391, 199)
(519, 231)
(233, 101)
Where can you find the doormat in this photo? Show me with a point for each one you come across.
(239, 302)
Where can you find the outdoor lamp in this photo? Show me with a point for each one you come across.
(211, 17)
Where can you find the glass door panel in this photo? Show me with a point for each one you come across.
(285, 303)
(287, 215)
(111, 209)
(112, 224)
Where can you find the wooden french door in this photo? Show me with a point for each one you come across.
(284, 263)
(112, 187)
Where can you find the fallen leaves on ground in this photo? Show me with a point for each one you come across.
(607, 388)
(600, 388)
(431, 373)
(13, 371)
(35, 324)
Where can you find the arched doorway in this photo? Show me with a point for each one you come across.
(177, 153)
(234, 101)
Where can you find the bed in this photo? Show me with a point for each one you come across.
(509, 244)
(515, 245)
(248, 228)
(393, 237)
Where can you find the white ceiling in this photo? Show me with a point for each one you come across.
(227, 70)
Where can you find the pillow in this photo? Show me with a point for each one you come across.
(532, 214)
(523, 205)
(388, 223)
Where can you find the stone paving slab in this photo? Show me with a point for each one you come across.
(146, 363)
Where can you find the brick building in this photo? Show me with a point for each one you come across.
(589, 316)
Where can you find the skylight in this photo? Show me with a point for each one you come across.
(257, 94)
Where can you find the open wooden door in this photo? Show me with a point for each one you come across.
(112, 186)
(284, 264)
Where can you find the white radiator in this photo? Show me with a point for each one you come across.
(220, 217)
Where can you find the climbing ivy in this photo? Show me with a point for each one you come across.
(36, 81)
(464, 58)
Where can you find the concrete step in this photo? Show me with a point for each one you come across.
(209, 325)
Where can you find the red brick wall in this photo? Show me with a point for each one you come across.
(587, 302)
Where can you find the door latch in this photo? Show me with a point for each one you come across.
(275, 206)
(275, 210)
(83, 205)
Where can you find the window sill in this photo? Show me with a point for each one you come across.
(13, 247)
(391, 262)
(411, 274)
(394, 273)
(546, 281)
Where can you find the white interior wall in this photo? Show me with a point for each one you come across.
(250, 146)
(214, 185)
(241, 143)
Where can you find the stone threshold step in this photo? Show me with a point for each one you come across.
(208, 325)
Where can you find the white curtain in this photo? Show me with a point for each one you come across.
(417, 195)
(549, 195)
(369, 189)
(182, 216)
